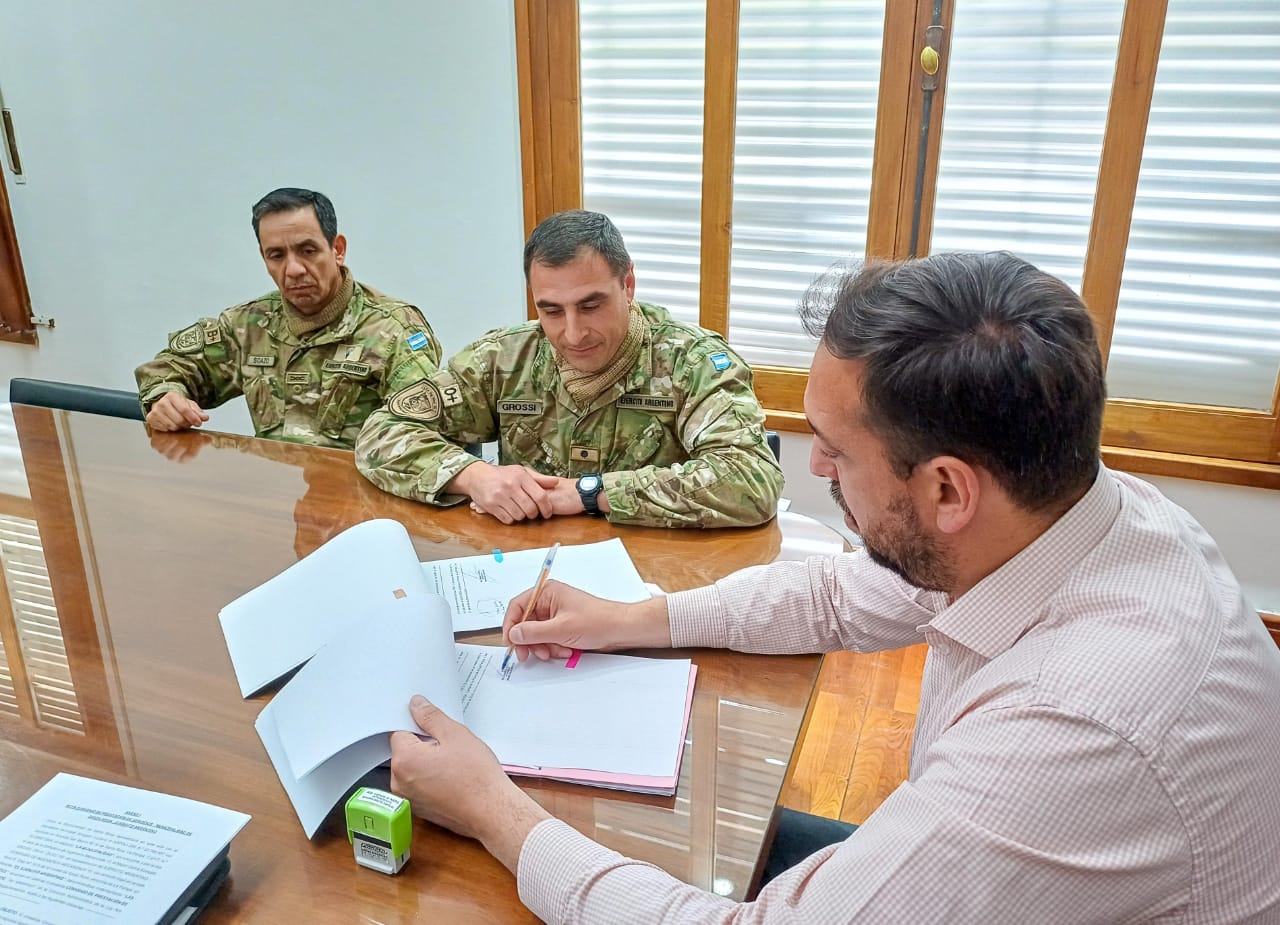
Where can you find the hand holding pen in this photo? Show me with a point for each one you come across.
(533, 600)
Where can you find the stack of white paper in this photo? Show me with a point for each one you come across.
(83, 851)
(609, 720)
(279, 625)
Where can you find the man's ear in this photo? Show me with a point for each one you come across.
(629, 282)
(340, 248)
(951, 490)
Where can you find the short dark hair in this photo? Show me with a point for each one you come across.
(978, 356)
(560, 239)
(289, 198)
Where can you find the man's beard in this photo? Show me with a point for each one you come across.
(900, 544)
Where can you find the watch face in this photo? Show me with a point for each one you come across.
(589, 482)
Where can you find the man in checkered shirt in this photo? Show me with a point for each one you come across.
(1098, 724)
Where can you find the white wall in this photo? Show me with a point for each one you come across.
(148, 129)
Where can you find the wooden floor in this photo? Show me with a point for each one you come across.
(856, 748)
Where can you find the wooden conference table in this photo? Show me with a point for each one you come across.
(118, 668)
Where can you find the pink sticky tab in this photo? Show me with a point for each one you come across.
(573, 659)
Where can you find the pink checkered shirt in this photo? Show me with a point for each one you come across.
(1098, 739)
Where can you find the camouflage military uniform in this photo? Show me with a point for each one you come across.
(679, 439)
(317, 388)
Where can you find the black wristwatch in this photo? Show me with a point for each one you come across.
(588, 489)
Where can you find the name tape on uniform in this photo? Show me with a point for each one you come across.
(648, 402)
(342, 366)
(520, 407)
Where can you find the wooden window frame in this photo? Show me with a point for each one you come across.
(1231, 445)
(16, 320)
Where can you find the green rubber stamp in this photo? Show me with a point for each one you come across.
(379, 828)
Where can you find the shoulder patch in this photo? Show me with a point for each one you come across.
(450, 392)
(189, 340)
(417, 340)
(418, 402)
(212, 333)
(720, 360)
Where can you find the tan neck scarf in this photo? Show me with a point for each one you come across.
(587, 387)
(300, 324)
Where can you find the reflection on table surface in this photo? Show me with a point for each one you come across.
(117, 560)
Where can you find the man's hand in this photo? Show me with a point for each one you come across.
(178, 448)
(565, 619)
(456, 782)
(563, 494)
(174, 411)
(509, 493)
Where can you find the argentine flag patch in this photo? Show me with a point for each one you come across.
(416, 341)
(719, 360)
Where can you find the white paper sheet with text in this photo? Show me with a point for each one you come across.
(478, 588)
(619, 715)
(84, 852)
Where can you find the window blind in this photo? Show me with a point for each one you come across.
(808, 80)
(642, 87)
(1198, 319)
(1028, 85)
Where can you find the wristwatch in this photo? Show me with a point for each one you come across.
(588, 489)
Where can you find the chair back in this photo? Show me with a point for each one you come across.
(68, 396)
(775, 443)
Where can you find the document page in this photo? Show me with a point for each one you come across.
(360, 683)
(478, 588)
(614, 713)
(316, 793)
(84, 852)
(619, 715)
(280, 624)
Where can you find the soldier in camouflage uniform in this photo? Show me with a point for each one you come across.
(602, 405)
(313, 359)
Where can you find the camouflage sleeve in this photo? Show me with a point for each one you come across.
(201, 362)
(410, 446)
(731, 478)
(414, 353)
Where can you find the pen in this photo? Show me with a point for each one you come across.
(537, 589)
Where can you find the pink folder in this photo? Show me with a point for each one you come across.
(638, 783)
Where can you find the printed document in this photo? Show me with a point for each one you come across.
(612, 720)
(478, 588)
(280, 624)
(87, 852)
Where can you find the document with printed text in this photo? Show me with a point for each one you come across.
(610, 720)
(277, 626)
(84, 852)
